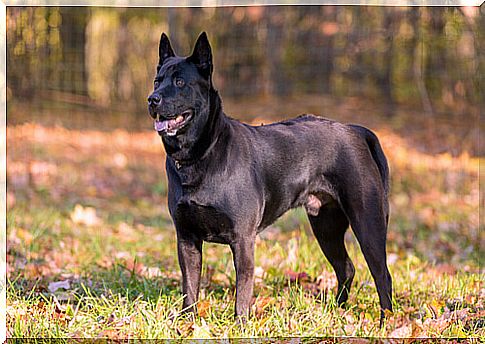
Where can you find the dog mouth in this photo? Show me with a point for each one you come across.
(173, 123)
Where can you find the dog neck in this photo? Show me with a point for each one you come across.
(186, 153)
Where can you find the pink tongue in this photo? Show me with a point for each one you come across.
(160, 125)
(165, 125)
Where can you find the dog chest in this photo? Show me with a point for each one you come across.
(206, 222)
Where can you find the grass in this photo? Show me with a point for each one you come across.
(89, 208)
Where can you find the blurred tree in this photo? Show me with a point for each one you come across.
(276, 81)
(416, 51)
(424, 57)
(72, 69)
(391, 20)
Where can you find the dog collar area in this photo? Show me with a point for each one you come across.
(179, 164)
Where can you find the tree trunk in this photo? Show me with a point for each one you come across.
(73, 40)
(391, 21)
(327, 51)
(277, 84)
(417, 62)
(173, 20)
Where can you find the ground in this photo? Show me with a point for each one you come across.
(91, 248)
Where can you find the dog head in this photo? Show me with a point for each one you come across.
(179, 103)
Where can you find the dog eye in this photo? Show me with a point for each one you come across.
(179, 82)
(156, 83)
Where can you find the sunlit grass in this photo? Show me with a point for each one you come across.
(123, 300)
(119, 253)
(135, 306)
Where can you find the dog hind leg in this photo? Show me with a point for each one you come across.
(329, 226)
(371, 235)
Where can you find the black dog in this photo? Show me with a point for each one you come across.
(227, 181)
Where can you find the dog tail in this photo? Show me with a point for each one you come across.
(377, 154)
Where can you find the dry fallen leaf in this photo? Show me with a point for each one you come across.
(258, 275)
(53, 286)
(326, 281)
(202, 331)
(445, 269)
(185, 328)
(296, 276)
(349, 329)
(402, 332)
(151, 271)
(292, 252)
(203, 308)
(85, 216)
(110, 333)
(24, 236)
(136, 267)
(260, 305)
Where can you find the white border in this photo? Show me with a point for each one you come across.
(135, 3)
(222, 3)
(3, 172)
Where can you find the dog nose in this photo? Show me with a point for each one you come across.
(154, 100)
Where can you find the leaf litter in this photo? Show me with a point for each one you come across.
(106, 202)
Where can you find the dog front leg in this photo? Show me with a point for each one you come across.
(243, 255)
(190, 261)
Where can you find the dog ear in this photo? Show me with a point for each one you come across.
(164, 50)
(202, 55)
